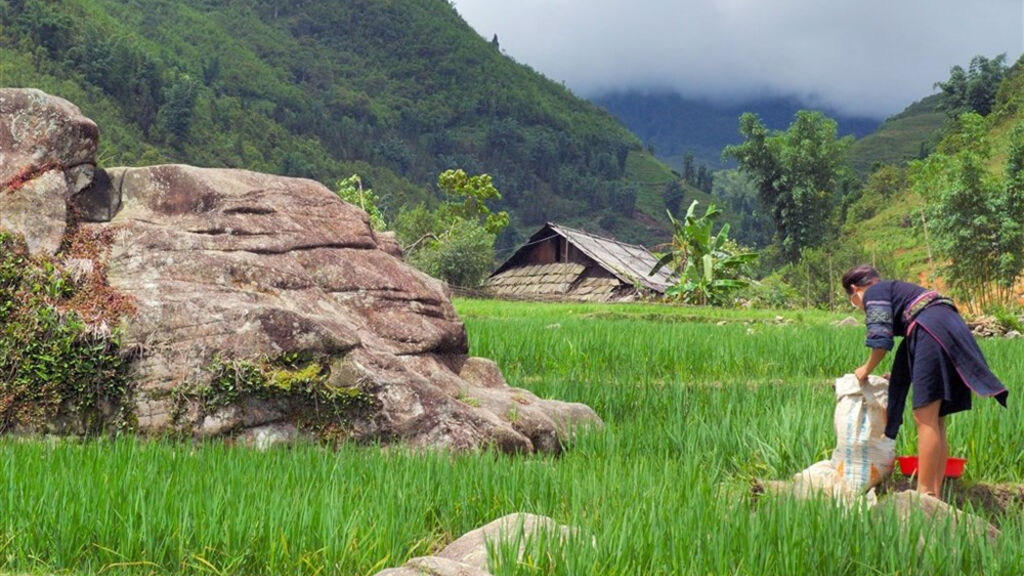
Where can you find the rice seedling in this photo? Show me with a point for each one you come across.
(697, 405)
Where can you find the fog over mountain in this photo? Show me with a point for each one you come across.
(866, 58)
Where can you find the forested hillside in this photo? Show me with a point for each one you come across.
(936, 195)
(906, 136)
(958, 204)
(675, 126)
(396, 91)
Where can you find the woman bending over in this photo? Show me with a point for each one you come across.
(938, 357)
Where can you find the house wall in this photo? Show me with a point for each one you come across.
(578, 257)
(554, 251)
(544, 253)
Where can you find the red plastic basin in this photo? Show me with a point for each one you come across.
(954, 466)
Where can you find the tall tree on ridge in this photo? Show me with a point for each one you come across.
(974, 90)
(796, 173)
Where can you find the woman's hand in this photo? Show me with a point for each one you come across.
(862, 373)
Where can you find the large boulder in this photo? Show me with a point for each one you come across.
(266, 308)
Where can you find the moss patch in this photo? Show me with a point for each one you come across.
(61, 367)
(297, 383)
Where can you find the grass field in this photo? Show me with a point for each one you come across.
(697, 405)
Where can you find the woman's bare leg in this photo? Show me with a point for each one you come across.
(940, 470)
(932, 449)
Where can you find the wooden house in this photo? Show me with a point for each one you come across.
(561, 263)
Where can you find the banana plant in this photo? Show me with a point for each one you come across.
(708, 265)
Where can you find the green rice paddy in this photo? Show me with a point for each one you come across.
(697, 404)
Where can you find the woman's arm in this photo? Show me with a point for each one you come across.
(874, 359)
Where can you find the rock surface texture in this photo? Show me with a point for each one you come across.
(467, 556)
(47, 154)
(910, 502)
(229, 266)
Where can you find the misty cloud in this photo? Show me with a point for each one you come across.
(870, 57)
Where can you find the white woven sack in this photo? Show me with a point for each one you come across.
(864, 455)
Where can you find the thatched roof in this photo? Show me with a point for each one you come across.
(554, 281)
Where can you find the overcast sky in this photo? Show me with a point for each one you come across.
(871, 57)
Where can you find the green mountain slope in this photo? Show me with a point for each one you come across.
(893, 229)
(396, 90)
(905, 136)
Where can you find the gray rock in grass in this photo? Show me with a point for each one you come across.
(468, 556)
(910, 503)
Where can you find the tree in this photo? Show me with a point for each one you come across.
(736, 191)
(463, 257)
(688, 172)
(469, 195)
(672, 195)
(705, 179)
(622, 199)
(815, 279)
(796, 173)
(178, 108)
(394, 153)
(881, 185)
(974, 90)
(607, 167)
(455, 241)
(1011, 211)
(974, 216)
(710, 266)
(351, 190)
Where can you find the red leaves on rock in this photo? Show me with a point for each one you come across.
(27, 174)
